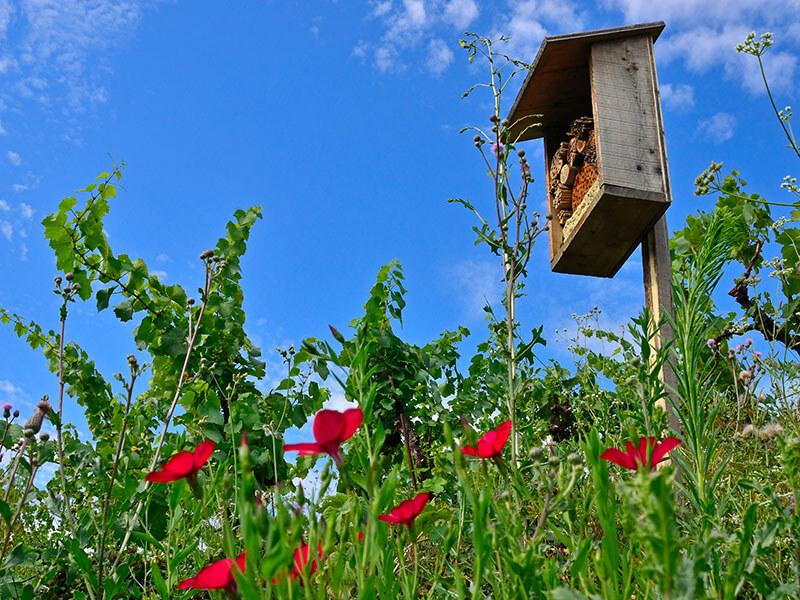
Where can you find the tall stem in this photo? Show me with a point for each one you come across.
(114, 467)
(59, 426)
(168, 419)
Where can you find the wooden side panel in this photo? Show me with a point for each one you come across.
(626, 114)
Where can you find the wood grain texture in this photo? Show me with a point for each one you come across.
(624, 102)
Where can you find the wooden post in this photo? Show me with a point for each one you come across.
(657, 264)
(657, 269)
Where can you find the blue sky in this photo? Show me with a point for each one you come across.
(341, 119)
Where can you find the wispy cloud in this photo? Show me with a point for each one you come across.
(718, 128)
(6, 230)
(677, 96)
(26, 211)
(55, 55)
(475, 282)
(413, 31)
(14, 158)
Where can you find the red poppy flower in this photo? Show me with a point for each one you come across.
(331, 429)
(216, 576)
(635, 457)
(406, 512)
(300, 562)
(490, 445)
(183, 465)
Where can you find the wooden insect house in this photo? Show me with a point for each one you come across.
(595, 95)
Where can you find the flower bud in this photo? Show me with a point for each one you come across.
(554, 461)
(190, 301)
(494, 118)
(206, 254)
(44, 436)
(16, 413)
(57, 279)
(69, 276)
(574, 458)
(535, 453)
(28, 432)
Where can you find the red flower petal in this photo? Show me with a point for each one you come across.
(486, 445)
(304, 448)
(162, 477)
(328, 427)
(181, 464)
(419, 502)
(662, 448)
(390, 518)
(213, 577)
(469, 451)
(503, 431)
(619, 457)
(353, 417)
(202, 453)
(301, 559)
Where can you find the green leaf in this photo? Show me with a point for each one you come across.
(103, 296)
(124, 311)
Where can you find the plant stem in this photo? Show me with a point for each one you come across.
(114, 467)
(168, 418)
(59, 427)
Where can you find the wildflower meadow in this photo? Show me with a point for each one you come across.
(491, 475)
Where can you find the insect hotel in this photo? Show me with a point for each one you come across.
(595, 95)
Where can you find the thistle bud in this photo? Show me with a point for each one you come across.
(16, 413)
(7, 410)
(69, 276)
(494, 118)
(44, 436)
(535, 453)
(206, 254)
(336, 334)
(554, 461)
(521, 153)
(190, 301)
(504, 122)
(28, 432)
(574, 458)
(57, 279)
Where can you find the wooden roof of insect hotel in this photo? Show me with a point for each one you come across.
(559, 78)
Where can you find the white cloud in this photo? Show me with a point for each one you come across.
(440, 56)
(6, 13)
(4, 206)
(57, 50)
(2, 129)
(461, 13)
(19, 187)
(379, 9)
(6, 230)
(475, 282)
(678, 96)
(13, 158)
(719, 128)
(413, 25)
(162, 258)
(160, 275)
(26, 210)
(8, 388)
